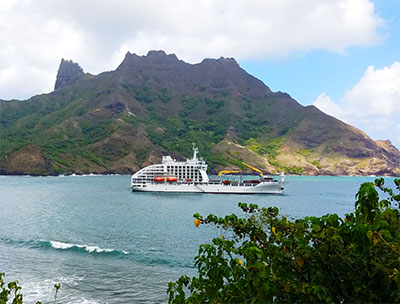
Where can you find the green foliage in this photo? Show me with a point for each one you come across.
(250, 115)
(288, 169)
(189, 104)
(316, 163)
(304, 152)
(177, 134)
(292, 169)
(11, 291)
(271, 149)
(265, 258)
(203, 87)
(57, 169)
(273, 146)
(57, 287)
(252, 128)
(236, 162)
(284, 131)
(60, 161)
(141, 155)
(246, 106)
(148, 95)
(145, 94)
(94, 131)
(254, 145)
(165, 96)
(213, 105)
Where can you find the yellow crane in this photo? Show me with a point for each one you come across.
(226, 172)
(254, 168)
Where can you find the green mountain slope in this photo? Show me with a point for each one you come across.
(122, 120)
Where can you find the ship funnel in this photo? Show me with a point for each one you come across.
(195, 151)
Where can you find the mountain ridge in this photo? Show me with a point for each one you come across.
(121, 120)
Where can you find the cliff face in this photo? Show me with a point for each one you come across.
(122, 120)
(27, 159)
(160, 70)
(67, 73)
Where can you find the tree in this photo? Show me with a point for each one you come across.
(269, 258)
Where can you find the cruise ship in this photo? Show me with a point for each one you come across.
(190, 176)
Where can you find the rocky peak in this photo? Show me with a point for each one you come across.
(68, 72)
(153, 59)
(156, 53)
(385, 144)
(388, 147)
(226, 72)
(161, 54)
(222, 61)
(159, 69)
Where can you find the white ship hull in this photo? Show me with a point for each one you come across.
(261, 188)
(191, 176)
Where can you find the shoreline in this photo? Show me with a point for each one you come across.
(211, 174)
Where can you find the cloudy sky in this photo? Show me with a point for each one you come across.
(341, 55)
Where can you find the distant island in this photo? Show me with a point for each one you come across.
(120, 121)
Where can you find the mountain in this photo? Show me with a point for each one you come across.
(119, 121)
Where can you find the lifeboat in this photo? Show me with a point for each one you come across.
(226, 182)
(171, 179)
(159, 179)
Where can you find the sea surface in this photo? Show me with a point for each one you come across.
(105, 244)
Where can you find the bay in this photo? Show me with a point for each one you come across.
(105, 244)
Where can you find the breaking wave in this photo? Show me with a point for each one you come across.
(57, 245)
(151, 257)
(77, 247)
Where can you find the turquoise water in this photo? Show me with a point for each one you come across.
(105, 244)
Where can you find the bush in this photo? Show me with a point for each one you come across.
(270, 258)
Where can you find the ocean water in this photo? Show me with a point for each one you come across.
(105, 244)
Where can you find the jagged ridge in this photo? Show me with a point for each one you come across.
(67, 73)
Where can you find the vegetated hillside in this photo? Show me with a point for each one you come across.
(119, 121)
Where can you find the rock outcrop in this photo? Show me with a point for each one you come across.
(158, 69)
(68, 72)
(28, 160)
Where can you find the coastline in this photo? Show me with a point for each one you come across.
(211, 174)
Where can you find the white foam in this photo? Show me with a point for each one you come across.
(91, 249)
(88, 248)
(61, 245)
(35, 289)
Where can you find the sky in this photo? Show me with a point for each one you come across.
(342, 56)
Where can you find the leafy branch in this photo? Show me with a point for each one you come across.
(315, 259)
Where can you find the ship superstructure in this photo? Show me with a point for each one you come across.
(191, 176)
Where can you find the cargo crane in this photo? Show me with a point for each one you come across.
(226, 172)
(254, 169)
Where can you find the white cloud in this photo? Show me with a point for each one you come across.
(35, 35)
(326, 104)
(372, 105)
